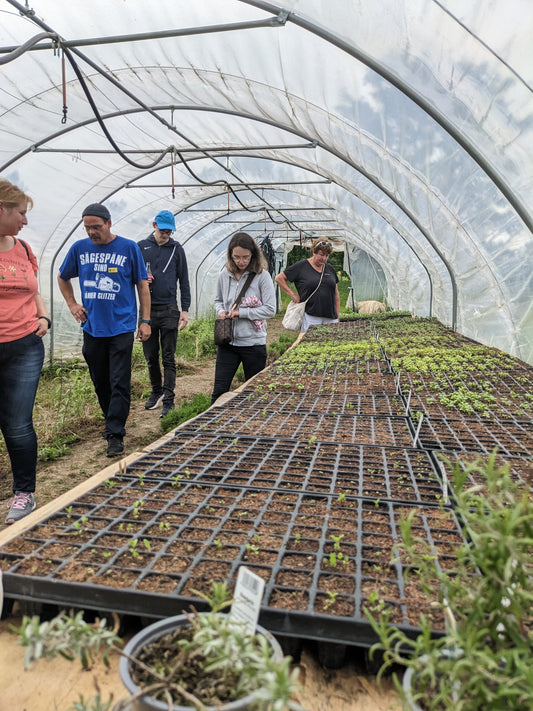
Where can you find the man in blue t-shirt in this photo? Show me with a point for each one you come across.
(109, 269)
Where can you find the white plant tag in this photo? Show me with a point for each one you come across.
(248, 595)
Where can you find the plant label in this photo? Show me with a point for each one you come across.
(248, 596)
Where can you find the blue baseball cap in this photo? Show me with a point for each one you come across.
(165, 220)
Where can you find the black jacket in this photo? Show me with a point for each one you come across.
(168, 265)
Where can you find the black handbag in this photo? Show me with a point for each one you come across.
(223, 333)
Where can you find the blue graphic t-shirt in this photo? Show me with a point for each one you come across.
(108, 277)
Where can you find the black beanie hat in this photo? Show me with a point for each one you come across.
(97, 210)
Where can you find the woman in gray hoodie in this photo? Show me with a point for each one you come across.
(249, 316)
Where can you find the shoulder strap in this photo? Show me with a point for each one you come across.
(318, 286)
(25, 247)
(247, 283)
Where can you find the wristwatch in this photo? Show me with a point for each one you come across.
(146, 320)
(47, 321)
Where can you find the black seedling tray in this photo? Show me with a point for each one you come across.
(344, 331)
(336, 369)
(520, 468)
(322, 558)
(390, 431)
(477, 435)
(338, 469)
(429, 405)
(333, 404)
(322, 383)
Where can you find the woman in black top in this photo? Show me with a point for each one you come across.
(324, 304)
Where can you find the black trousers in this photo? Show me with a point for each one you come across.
(109, 361)
(165, 321)
(253, 359)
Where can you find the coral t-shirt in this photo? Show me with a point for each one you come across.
(18, 287)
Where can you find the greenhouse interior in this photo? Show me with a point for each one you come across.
(398, 131)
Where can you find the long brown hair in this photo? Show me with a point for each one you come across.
(243, 240)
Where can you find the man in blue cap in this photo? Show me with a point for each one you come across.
(166, 265)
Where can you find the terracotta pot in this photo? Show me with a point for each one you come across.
(153, 632)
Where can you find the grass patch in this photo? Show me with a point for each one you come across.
(187, 410)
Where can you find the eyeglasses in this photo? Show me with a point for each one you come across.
(167, 232)
(324, 243)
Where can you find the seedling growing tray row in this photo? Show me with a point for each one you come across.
(331, 404)
(145, 546)
(389, 431)
(398, 474)
(477, 436)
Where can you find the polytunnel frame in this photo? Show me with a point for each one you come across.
(224, 152)
(279, 18)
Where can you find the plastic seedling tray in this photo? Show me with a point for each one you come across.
(267, 422)
(344, 331)
(502, 391)
(520, 468)
(331, 404)
(325, 383)
(399, 474)
(322, 557)
(512, 440)
(429, 405)
(336, 369)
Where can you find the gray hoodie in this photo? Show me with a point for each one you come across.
(245, 332)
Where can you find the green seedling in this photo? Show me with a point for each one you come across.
(332, 597)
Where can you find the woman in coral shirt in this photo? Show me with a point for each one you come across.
(24, 321)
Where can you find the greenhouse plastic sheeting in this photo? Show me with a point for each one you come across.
(400, 129)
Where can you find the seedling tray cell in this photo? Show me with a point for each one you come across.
(477, 436)
(303, 403)
(322, 558)
(389, 431)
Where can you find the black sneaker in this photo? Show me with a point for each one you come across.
(153, 401)
(167, 407)
(115, 446)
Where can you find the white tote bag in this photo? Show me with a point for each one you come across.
(294, 315)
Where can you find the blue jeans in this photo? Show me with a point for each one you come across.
(109, 361)
(253, 359)
(165, 320)
(21, 362)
